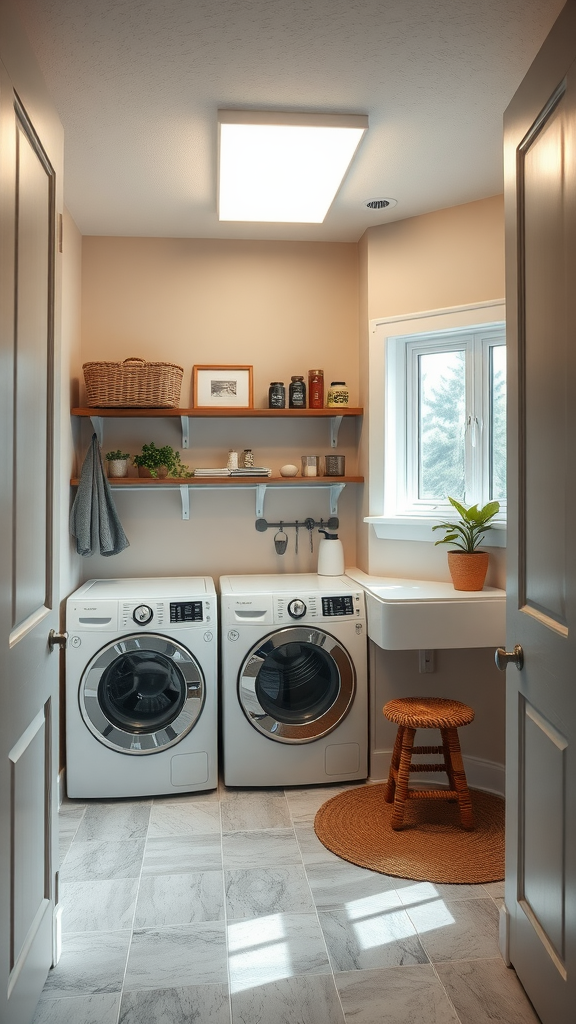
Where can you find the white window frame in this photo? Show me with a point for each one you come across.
(394, 512)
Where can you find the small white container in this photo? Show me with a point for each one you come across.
(330, 555)
(310, 465)
(288, 470)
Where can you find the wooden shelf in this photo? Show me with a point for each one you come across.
(229, 481)
(216, 412)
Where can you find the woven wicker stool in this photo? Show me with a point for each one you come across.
(411, 713)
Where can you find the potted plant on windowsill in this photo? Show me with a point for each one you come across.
(160, 462)
(117, 463)
(468, 567)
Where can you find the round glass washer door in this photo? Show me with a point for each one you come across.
(296, 685)
(142, 694)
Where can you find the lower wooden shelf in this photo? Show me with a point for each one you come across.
(335, 484)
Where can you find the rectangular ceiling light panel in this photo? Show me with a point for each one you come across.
(279, 167)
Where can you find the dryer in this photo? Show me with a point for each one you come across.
(141, 687)
(294, 680)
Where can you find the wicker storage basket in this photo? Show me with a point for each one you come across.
(133, 384)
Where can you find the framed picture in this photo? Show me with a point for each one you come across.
(222, 387)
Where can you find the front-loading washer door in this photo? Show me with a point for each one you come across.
(142, 693)
(296, 684)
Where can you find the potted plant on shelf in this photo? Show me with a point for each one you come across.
(468, 567)
(117, 463)
(160, 462)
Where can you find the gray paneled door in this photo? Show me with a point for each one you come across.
(28, 560)
(540, 168)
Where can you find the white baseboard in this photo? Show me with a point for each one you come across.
(481, 774)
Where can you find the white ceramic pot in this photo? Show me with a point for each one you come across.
(289, 470)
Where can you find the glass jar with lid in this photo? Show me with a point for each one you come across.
(297, 393)
(277, 395)
(316, 389)
(338, 394)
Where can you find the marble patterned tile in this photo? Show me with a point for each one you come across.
(180, 899)
(69, 817)
(368, 939)
(100, 860)
(312, 850)
(114, 820)
(198, 1004)
(172, 855)
(414, 893)
(92, 963)
(311, 999)
(486, 992)
(244, 810)
(170, 819)
(266, 949)
(461, 930)
(258, 892)
(494, 889)
(177, 956)
(268, 848)
(94, 1009)
(304, 803)
(397, 995)
(106, 905)
(340, 885)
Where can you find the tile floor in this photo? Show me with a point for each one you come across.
(224, 908)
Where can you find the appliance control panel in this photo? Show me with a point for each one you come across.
(343, 604)
(292, 607)
(186, 611)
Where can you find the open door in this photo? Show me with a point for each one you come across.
(30, 164)
(540, 176)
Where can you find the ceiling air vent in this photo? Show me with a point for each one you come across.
(379, 204)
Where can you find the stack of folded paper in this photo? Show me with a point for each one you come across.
(251, 471)
(212, 472)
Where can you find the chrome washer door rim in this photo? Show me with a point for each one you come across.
(284, 732)
(142, 742)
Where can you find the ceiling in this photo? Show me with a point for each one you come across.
(137, 84)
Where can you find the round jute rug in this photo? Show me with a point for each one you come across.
(431, 847)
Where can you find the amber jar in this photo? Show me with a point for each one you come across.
(315, 389)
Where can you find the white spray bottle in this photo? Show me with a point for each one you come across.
(330, 555)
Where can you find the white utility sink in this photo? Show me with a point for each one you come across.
(408, 615)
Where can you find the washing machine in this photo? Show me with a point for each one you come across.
(294, 680)
(142, 687)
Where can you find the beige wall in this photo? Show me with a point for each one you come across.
(282, 307)
(449, 258)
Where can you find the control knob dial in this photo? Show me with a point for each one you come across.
(296, 608)
(142, 614)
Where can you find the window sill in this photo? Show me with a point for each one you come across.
(420, 529)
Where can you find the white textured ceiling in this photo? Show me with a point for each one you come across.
(138, 83)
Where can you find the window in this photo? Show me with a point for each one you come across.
(441, 429)
(450, 421)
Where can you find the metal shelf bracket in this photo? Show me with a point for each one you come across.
(185, 421)
(185, 496)
(335, 492)
(260, 495)
(335, 422)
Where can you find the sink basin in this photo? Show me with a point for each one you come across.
(408, 615)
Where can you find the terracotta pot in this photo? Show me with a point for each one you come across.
(161, 472)
(468, 569)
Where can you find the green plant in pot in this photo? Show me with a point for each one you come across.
(467, 565)
(160, 462)
(117, 462)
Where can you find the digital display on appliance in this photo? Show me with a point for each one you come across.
(338, 605)
(186, 611)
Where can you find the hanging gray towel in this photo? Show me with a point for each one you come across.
(93, 519)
